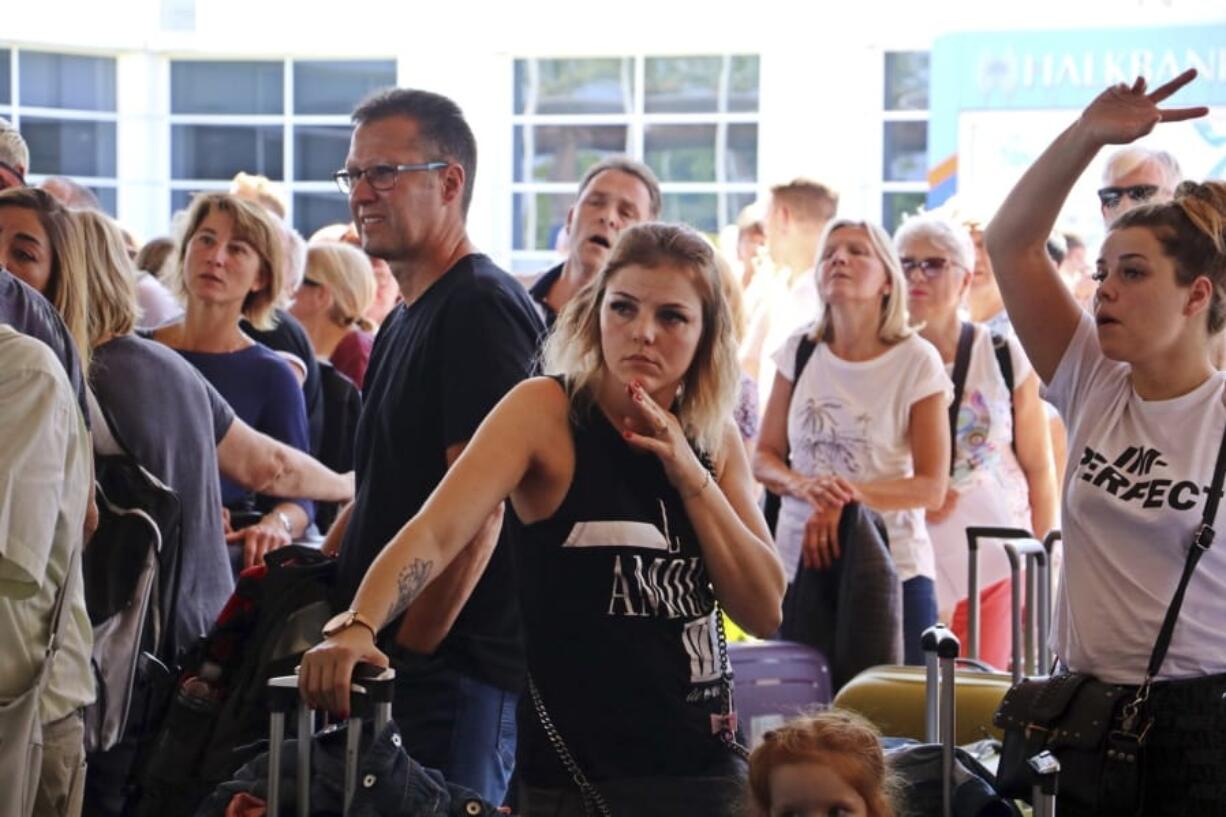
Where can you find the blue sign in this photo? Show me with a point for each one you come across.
(1012, 71)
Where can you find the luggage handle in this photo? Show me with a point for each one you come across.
(1046, 770)
(1020, 547)
(371, 690)
(941, 647)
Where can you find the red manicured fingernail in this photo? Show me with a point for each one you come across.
(627, 434)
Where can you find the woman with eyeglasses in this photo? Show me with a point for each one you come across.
(1001, 472)
(864, 420)
(1146, 413)
(338, 288)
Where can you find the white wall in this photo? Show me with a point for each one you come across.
(821, 71)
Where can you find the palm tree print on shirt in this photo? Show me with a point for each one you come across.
(827, 442)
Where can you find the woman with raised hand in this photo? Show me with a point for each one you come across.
(230, 268)
(636, 500)
(864, 420)
(1144, 408)
(1001, 474)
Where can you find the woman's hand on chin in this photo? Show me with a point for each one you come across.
(656, 430)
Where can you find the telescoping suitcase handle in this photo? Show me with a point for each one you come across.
(1030, 651)
(371, 693)
(941, 649)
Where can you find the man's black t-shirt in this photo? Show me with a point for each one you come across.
(289, 336)
(540, 294)
(437, 368)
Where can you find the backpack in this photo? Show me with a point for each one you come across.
(919, 765)
(131, 574)
(220, 708)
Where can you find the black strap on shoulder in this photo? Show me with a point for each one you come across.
(962, 362)
(1201, 541)
(1004, 361)
(804, 351)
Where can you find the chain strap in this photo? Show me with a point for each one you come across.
(593, 800)
(727, 731)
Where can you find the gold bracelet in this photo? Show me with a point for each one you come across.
(705, 482)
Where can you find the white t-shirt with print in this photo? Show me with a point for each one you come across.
(1134, 493)
(990, 484)
(853, 419)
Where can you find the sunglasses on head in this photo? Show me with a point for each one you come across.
(931, 267)
(1140, 193)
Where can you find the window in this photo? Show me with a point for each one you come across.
(693, 120)
(904, 138)
(65, 107)
(287, 120)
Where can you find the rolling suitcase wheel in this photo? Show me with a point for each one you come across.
(371, 697)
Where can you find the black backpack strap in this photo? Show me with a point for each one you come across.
(962, 362)
(804, 351)
(1201, 541)
(1004, 361)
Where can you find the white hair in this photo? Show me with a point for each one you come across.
(950, 235)
(1127, 159)
(13, 148)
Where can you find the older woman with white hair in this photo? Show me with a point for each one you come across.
(864, 419)
(1002, 471)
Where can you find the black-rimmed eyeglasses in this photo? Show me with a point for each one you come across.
(931, 267)
(380, 177)
(1110, 197)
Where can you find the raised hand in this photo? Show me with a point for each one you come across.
(1124, 113)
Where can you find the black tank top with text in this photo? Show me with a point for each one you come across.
(619, 623)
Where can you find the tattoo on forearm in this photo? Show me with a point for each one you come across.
(409, 584)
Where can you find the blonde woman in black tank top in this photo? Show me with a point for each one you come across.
(637, 504)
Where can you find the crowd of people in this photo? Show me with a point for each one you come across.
(545, 503)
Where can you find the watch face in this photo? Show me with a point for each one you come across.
(338, 622)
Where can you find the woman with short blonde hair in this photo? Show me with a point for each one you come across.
(230, 268)
(336, 291)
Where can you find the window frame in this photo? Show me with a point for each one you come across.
(288, 120)
(14, 111)
(636, 121)
(888, 115)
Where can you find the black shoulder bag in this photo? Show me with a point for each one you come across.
(1097, 730)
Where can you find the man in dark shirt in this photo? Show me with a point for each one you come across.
(464, 335)
(614, 194)
(23, 308)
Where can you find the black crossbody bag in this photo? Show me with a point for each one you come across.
(1097, 730)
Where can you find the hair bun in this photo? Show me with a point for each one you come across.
(1204, 203)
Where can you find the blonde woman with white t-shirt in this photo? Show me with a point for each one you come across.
(1002, 472)
(867, 422)
(1145, 412)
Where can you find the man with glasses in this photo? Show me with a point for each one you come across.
(465, 334)
(1136, 175)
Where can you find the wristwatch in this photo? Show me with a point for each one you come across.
(345, 620)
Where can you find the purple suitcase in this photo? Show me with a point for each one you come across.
(775, 682)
